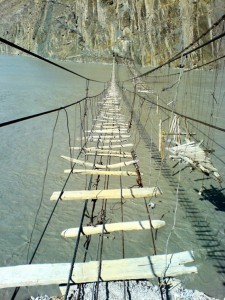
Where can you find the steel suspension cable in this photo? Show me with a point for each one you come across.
(13, 45)
(182, 115)
(178, 57)
(43, 185)
(46, 226)
(7, 123)
(51, 214)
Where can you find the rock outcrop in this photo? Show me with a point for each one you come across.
(147, 31)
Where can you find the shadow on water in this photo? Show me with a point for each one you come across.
(201, 227)
(215, 196)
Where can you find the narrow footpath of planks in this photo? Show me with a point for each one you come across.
(113, 129)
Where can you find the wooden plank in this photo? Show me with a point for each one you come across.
(107, 228)
(104, 137)
(146, 267)
(107, 194)
(117, 123)
(110, 106)
(103, 147)
(112, 136)
(104, 151)
(107, 106)
(113, 118)
(110, 127)
(116, 117)
(98, 166)
(109, 141)
(109, 154)
(111, 121)
(33, 275)
(110, 113)
(117, 146)
(102, 172)
(146, 91)
(111, 131)
(112, 102)
(103, 126)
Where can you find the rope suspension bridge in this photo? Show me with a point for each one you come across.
(113, 125)
(109, 132)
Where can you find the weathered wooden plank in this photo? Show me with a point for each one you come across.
(107, 194)
(111, 127)
(110, 113)
(112, 102)
(89, 138)
(111, 131)
(146, 267)
(105, 151)
(111, 121)
(107, 228)
(98, 166)
(34, 275)
(107, 106)
(110, 106)
(114, 130)
(102, 172)
(146, 91)
(104, 147)
(117, 123)
(109, 154)
(112, 118)
(109, 141)
(117, 146)
(105, 126)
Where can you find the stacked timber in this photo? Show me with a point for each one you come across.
(191, 153)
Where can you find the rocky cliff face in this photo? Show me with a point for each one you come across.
(148, 31)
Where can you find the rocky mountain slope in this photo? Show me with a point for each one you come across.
(148, 31)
